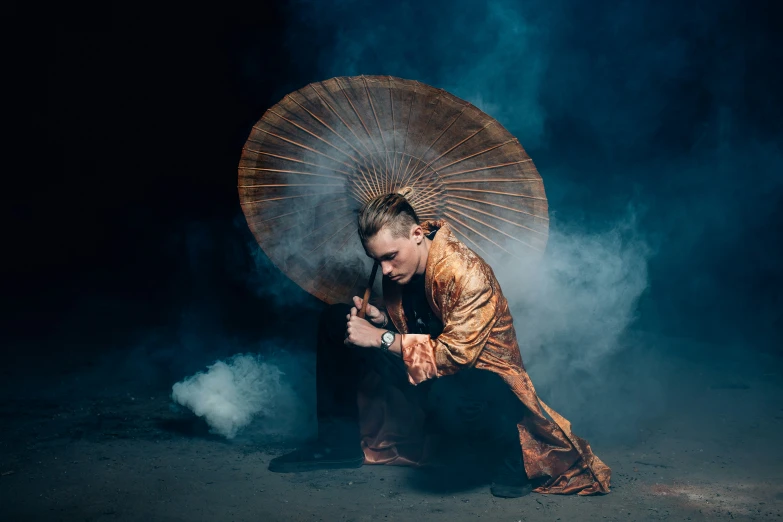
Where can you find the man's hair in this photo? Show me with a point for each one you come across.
(388, 210)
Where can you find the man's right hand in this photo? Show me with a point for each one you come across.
(373, 315)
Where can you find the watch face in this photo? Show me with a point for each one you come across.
(387, 337)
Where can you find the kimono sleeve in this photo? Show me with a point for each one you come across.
(468, 302)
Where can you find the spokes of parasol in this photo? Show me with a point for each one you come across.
(322, 152)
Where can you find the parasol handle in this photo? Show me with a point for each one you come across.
(367, 291)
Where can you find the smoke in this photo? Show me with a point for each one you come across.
(488, 53)
(572, 311)
(231, 394)
(572, 308)
(254, 384)
(615, 102)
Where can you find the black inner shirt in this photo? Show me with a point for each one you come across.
(420, 317)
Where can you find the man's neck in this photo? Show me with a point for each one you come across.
(424, 256)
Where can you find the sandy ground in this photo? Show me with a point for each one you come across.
(80, 448)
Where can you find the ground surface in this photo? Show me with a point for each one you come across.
(78, 447)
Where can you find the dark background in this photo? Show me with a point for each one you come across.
(127, 123)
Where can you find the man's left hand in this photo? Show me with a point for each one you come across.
(360, 332)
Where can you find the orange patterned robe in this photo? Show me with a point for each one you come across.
(478, 332)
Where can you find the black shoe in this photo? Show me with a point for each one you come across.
(318, 456)
(510, 480)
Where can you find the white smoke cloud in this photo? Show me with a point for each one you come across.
(572, 309)
(234, 392)
(584, 293)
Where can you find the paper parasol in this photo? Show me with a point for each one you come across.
(316, 157)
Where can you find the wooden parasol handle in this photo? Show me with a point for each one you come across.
(368, 290)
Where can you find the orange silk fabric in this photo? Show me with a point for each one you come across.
(478, 332)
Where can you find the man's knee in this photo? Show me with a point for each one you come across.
(472, 403)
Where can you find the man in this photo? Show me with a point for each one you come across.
(446, 319)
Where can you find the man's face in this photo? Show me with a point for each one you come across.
(400, 257)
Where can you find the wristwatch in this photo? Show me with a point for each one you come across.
(386, 340)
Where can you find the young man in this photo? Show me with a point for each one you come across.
(446, 319)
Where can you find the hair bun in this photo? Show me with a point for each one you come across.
(405, 191)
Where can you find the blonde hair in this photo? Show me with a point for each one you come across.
(388, 210)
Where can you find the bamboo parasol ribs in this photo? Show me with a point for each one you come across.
(323, 151)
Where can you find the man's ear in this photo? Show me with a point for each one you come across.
(417, 233)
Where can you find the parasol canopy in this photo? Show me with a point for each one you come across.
(316, 157)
